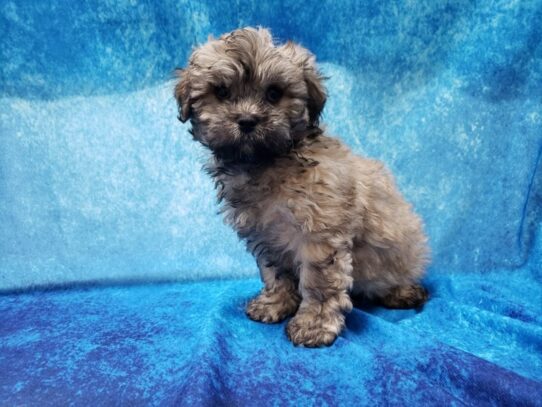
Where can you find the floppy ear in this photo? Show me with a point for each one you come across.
(313, 79)
(317, 94)
(182, 94)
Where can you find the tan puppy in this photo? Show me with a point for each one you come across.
(321, 222)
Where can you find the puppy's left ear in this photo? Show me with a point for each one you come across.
(313, 79)
(182, 94)
(317, 94)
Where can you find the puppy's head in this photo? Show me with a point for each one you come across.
(247, 99)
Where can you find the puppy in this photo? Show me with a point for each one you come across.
(321, 222)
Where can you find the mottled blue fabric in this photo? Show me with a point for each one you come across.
(477, 342)
(100, 183)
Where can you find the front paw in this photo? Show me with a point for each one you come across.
(272, 308)
(312, 330)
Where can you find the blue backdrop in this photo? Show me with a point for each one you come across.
(100, 182)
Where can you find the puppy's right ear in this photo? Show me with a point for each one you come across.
(182, 94)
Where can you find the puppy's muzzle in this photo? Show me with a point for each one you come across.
(247, 123)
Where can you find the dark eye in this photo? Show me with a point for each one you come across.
(222, 92)
(273, 94)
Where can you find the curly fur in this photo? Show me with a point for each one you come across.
(322, 222)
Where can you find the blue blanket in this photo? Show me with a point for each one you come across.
(100, 184)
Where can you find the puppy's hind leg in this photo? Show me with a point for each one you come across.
(388, 277)
(278, 299)
(403, 297)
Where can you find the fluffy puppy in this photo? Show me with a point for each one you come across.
(322, 222)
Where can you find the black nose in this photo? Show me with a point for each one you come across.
(247, 123)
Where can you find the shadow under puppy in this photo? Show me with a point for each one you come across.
(321, 222)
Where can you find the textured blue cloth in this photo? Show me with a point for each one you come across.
(100, 182)
(190, 344)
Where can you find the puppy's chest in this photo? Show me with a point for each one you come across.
(265, 206)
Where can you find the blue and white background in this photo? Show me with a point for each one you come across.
(99, 183)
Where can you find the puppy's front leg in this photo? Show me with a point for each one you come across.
(278, 299)
(325, 281)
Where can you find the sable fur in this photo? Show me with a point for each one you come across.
(322, 222)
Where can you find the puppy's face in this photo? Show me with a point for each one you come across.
(247, 99)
